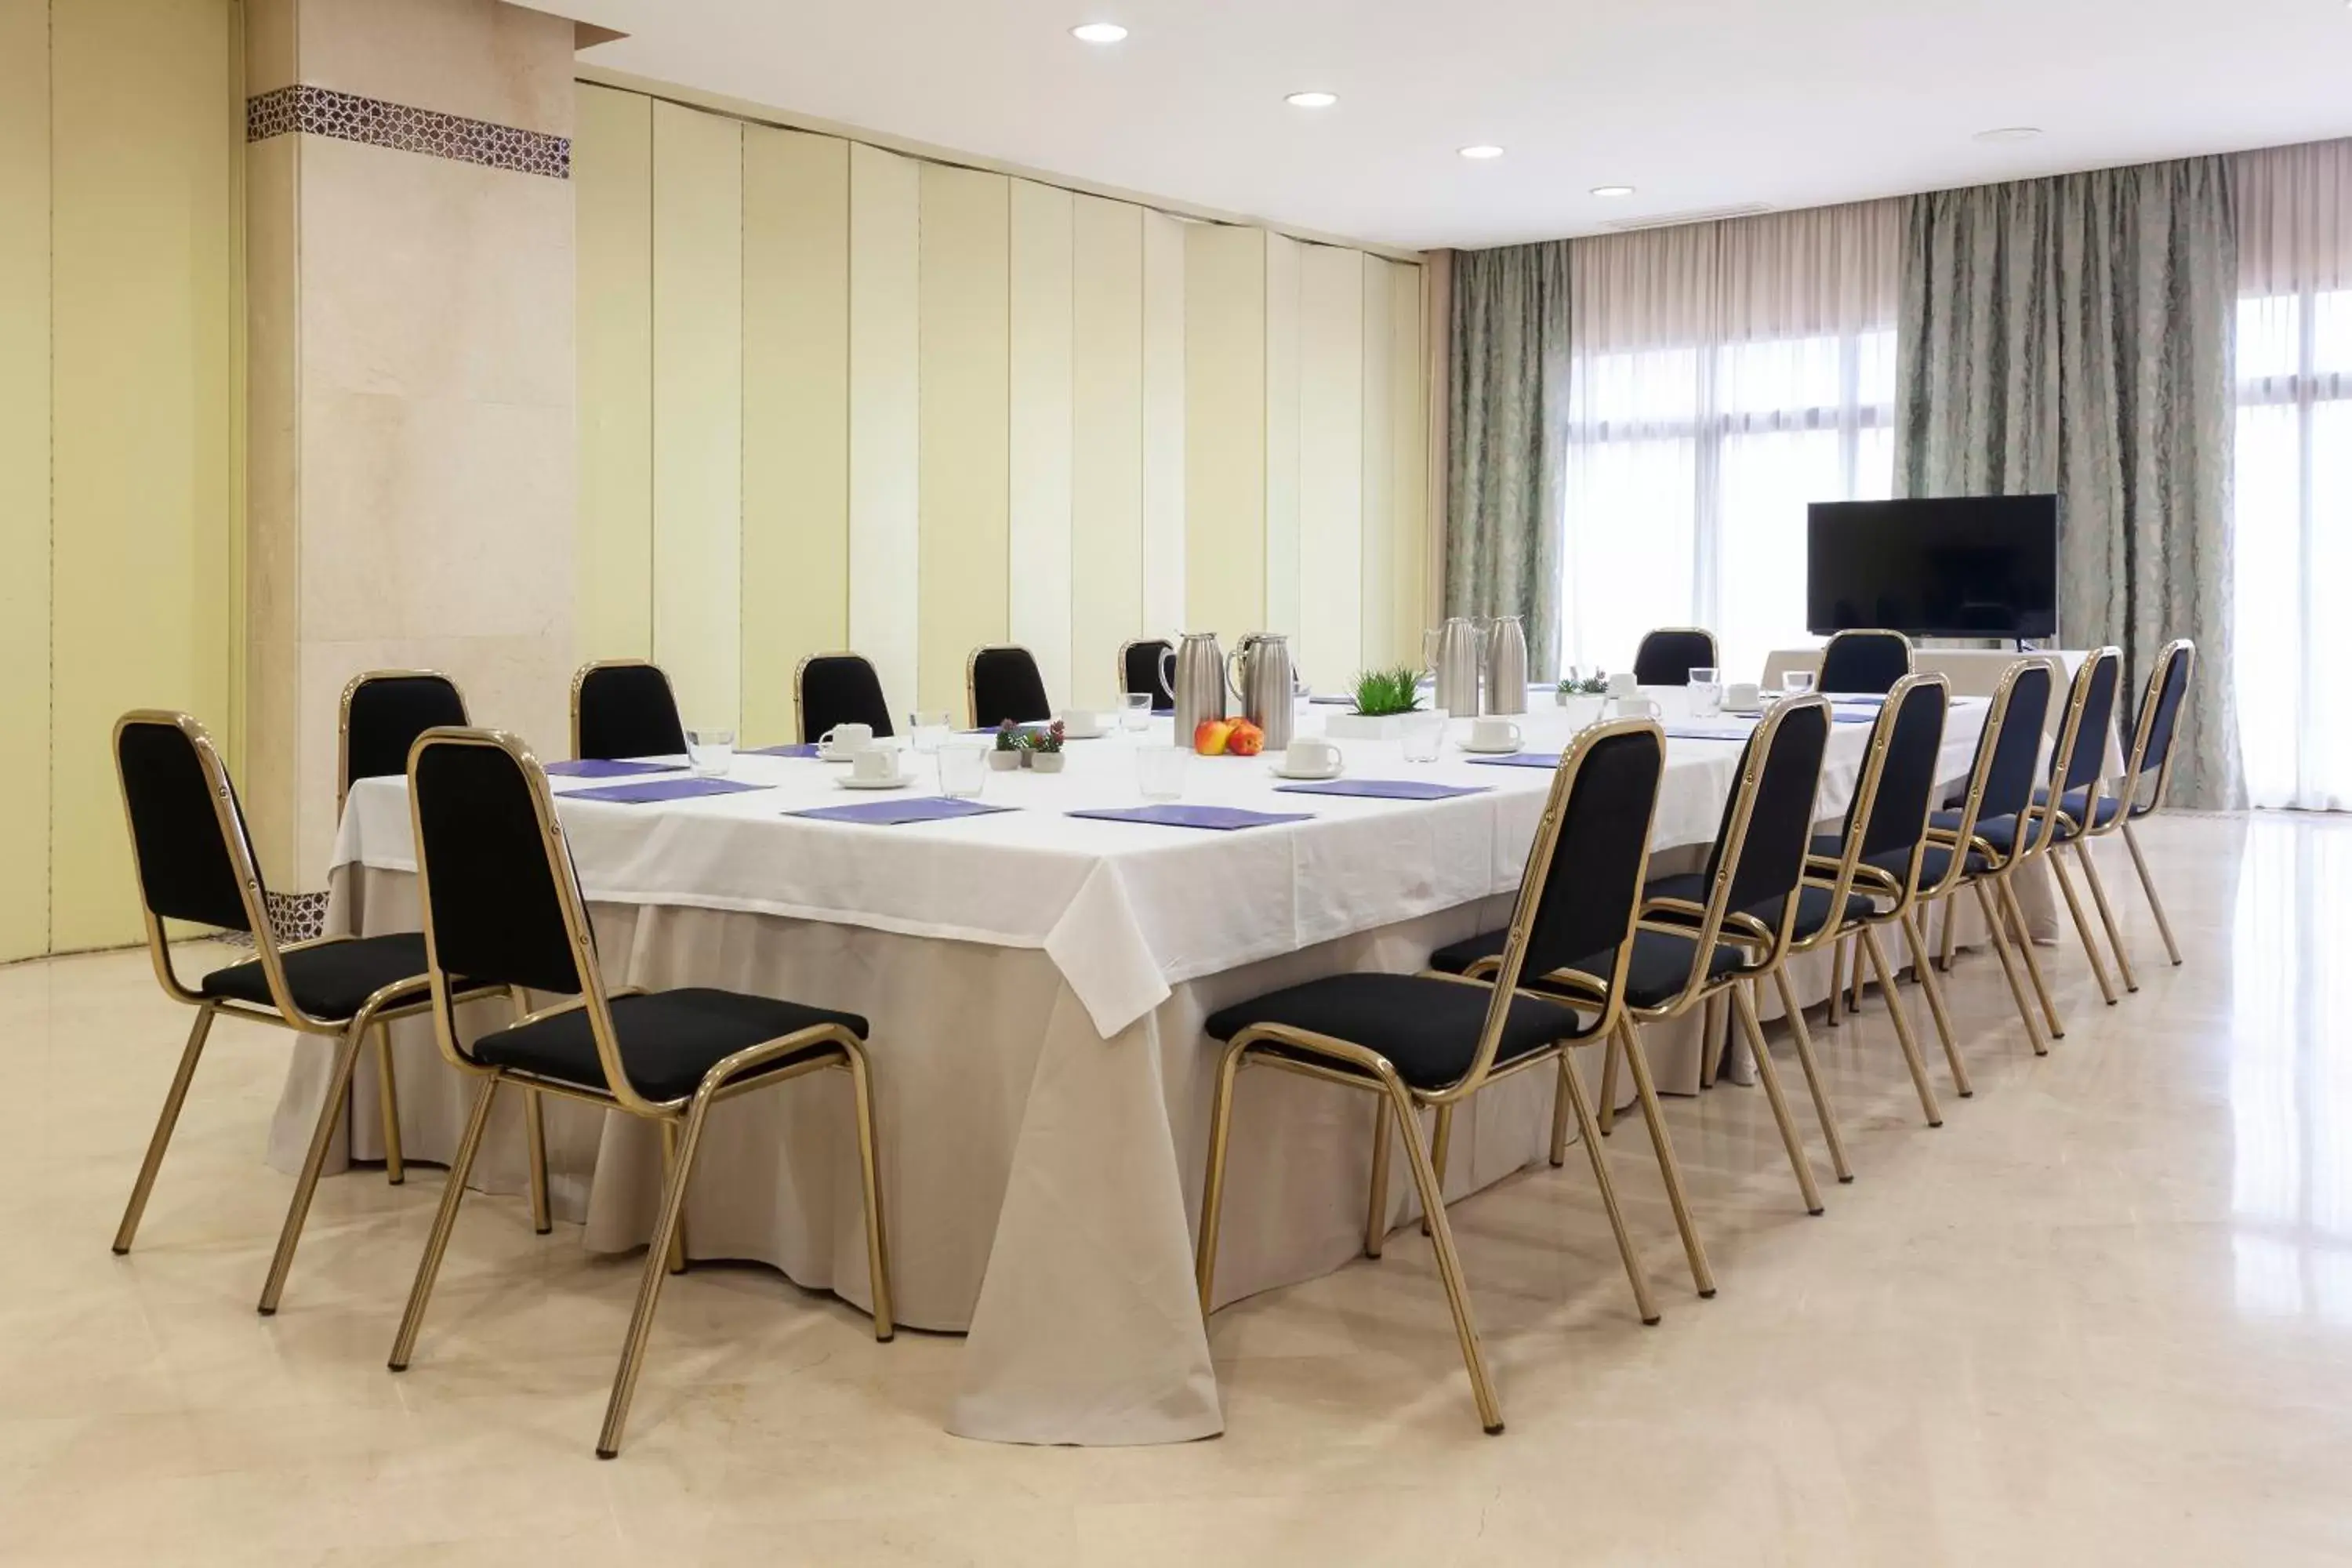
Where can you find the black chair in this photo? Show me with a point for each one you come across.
(384, 711)
(2000, 787)
(2078, 780)
(1869, 870)
(1864, 662)
(2150, 774)
(1416, 1040)
(502, 905)
(625, 708)
(830, 688)
(1141, 672)
(1002, 682)
(1701, 936)
(195, 863)
(1669, 654)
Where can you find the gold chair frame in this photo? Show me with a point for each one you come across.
(343, 720)
(1121, 661)
(800, 672)
(972, 665)
(2128, 806)
(580, 678)
(399, 1000)
(1714, 646)
(1357, 1067)
(681, 1121)
(1910, 652)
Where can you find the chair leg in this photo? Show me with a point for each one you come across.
(1903, 1034)
(306, 1186)
(1670, 1170)
(2025, 950)
(1711, 1042)
(1837, 982)
(664, 1247)
(1857, 980)
(1212, 1181)
(2082, 924)
(869, 1175)
(387, 1099)
(1996, 924)
(162, 1137)
(1558, 1112)
(669, 1172)
(2106, 912)
(1804, 1038)
(1951, 908)
(1449, 1263)
(1607, 1087)
(1440, 1146)
(1376, 1204)
(1641, 1300)
(1916, 940)
(2147, 886)
(437, 1241)
(1769, 1077)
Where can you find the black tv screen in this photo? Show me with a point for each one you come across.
(1968, 566)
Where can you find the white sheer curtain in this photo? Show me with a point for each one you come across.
(1723, 375)
(2292, 523)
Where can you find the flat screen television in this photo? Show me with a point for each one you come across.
(1966, 566)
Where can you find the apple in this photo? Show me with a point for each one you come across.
(1247, 740)
(1210, 737)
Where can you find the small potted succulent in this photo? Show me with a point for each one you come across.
(1583, 696)
(1010, 748)
(1043, 750)
(1384, 699)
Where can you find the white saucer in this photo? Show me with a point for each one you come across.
(1754, 712)
(1489, 750)
(1326, 777)
(1083, 734)
(901, 781)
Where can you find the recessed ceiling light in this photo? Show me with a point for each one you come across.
(1484, 150)
(1312, 99)
(1613, 190)
(1099, 32)
(2009, 133)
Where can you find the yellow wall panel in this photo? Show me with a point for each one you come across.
(1283, 368)
(885, 452)
(613, 187)
(1225, 430)
(1106, 442)
(697, 409)
(142, 382)
(23, 470)
(1409, 401)
(1165, 457)
(795, 415)
(965, 423)
(1331, 463)
(1038, 544)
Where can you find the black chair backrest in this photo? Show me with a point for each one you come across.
(1139, 670)
(1907, 779)
(493, 909)
(1004, 684)
(1780, 828)
(2011, 776)
(2168, 693)
(186, 869)
(2093, 696)
(1864, 661)
(385, 711)
(626, 710)
(1592, 880)
(1668, 654)
(840, 689)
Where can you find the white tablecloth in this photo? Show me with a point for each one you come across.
(1037, 985)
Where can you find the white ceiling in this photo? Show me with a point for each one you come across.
(1699, 103)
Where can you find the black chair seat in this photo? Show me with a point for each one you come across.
(2001, 832)
(1428, 1028)
(1659, 966)
(1813, 902)
(668, 1039)
(1937, 862)
(2076, 799)
(331, 980)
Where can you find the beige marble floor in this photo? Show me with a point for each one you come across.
(2100, 1316)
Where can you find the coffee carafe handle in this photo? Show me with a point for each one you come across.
(1237, 681)
(1167, 674)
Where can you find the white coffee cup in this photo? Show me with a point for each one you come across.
(1633, 708)
(1080, 723)
(846, 739)
(1311, 757)
(1624, 683)
(1492, 734)
(875, 765)
(1743, 697)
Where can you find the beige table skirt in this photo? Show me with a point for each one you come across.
(1042, 1183)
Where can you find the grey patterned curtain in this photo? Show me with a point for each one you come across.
(1507, 451)
(2074, 334)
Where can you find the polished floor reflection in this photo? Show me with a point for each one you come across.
(2103, 1316)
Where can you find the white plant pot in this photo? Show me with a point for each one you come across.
(1004, 762)
(1046, 762)
(1580, 709)
(1363, 726)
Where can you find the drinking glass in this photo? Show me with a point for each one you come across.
(1160, 771)
(963, 769)
(710, 753)
(928, 727)
(1423, 737)
(1706, 692)
(1137, 712)
(1796, 683)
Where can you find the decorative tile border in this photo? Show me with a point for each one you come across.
(347, 117)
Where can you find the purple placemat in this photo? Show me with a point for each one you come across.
(1384, 789)
(609, 768)
(1673, 733)
(654, 790)
(1218, 818)
(894, 812)
(1519, 759)
(1867, 716)
(806, 749)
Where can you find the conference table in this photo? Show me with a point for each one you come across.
(1036, 983)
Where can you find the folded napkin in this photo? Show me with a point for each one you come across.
(654, 790)
(1219, 818)
(608, 768)
(807, 749)
(1520, 760)
(1384, 789)
(894, 812)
